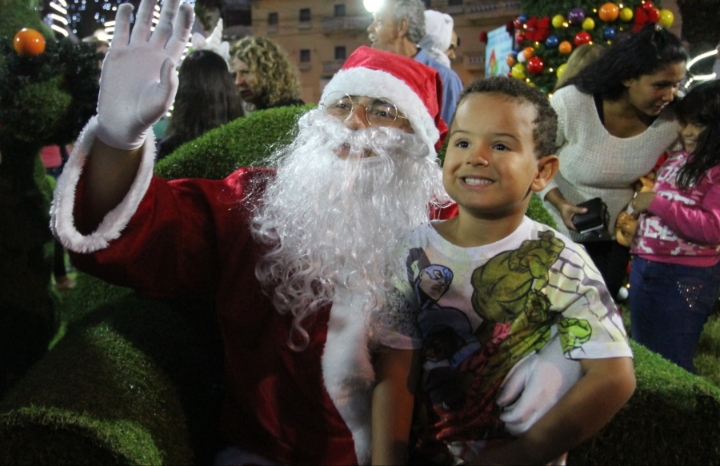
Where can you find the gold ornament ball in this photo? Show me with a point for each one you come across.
(518, 71)
(666, 18)
(626, 14)
(561, 70)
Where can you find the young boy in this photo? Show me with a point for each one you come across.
(487, 289)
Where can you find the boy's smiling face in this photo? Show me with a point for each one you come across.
(490, 165)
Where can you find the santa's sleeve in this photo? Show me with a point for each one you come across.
(163, 238)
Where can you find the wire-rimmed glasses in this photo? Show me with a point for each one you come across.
(378, 112)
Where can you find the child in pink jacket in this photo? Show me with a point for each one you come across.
(675, 272)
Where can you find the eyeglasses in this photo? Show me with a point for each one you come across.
(378, 112)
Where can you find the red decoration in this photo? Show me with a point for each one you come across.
(644, 15)
(647, 6)
(517, 23)
(483, 37)
(510, 28)
(537, 30)
(29, 42)
(520, 38)
(535, 65)
(581, 38)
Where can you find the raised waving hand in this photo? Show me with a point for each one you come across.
(138, 80)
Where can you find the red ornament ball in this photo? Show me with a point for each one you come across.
(581, 38)
(29, 42)
(535, 65)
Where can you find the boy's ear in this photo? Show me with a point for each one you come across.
(547, 166)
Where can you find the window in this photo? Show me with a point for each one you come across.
(340, 53)
(272, 19)
(455, 2)
(304, 55)
(304, 14)
(340, 9)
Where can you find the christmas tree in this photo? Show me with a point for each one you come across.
(49, 90)
(548, 31)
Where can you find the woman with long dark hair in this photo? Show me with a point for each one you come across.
(614, 123)
(206, 98)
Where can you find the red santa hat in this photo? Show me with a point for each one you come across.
(414, 88)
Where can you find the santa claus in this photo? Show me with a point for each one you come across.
(298, 255)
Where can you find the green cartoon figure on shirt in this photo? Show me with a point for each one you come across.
(508, 294)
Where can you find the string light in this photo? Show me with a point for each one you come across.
(101, 12)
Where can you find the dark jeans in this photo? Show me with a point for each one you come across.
(669, 305)
(611, 259)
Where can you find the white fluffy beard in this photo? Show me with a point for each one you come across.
(332, 222)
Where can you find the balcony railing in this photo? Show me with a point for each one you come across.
(491, 10)
(332, 66)
(474, 62)
(345, 23)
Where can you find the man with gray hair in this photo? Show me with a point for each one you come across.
(398, 27)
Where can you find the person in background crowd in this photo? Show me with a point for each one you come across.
(54, 158)
(675, 272)
(206, 99)
(101, 41)
(438, 36)
(398, 27)
(614, 122)
(454, 44)
(264, 75)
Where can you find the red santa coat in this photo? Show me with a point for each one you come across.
(192, 235)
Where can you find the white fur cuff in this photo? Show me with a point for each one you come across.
(62, 221)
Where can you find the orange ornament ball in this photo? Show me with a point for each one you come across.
(29, 42)
(565, 47)
(609, 12)
(529, 52)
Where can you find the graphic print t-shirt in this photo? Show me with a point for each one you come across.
(476, 312)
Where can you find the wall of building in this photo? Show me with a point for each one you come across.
(326, 30)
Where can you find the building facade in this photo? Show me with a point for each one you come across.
(319, 34)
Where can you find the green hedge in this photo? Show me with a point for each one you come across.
(673, 418)
(133, 382)
(241, 143)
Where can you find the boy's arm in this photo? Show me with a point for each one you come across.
(392, 404)
(605, 387)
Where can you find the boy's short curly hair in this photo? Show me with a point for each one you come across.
(546, 122)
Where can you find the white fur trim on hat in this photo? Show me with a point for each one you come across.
(383, 85)
(62, 221)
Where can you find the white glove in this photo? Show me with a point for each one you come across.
(138, 80)
(534, 385)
